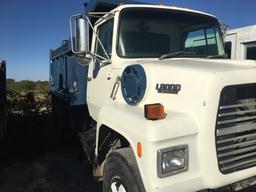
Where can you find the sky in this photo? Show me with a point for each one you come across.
(30, 28)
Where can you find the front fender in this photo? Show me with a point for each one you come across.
(129, 121)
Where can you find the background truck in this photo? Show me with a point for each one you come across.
(156, 103)
(3, 130)
(240, 43)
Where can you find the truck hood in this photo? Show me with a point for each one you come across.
(204, 65)
(200, 80)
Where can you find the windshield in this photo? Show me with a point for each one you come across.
(148, 32)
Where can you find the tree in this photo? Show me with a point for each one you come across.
(27, 97)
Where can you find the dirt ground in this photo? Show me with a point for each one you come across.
(37, 157)
(62, 171)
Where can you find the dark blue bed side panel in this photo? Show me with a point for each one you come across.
(76, 81)
(67, 77)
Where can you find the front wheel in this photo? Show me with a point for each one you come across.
(121, 172)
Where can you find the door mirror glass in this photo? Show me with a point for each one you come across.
(80, 39)
(82, 35)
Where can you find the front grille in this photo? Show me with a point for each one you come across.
(236, 128)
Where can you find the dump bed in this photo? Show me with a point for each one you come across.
(105, 5)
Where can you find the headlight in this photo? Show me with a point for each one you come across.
(172, 160)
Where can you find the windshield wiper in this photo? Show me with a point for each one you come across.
(177, 54)
(216, 57)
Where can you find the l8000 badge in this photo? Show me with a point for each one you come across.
(168, 88)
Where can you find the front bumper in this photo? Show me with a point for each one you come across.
(247, 185)
(229, 189)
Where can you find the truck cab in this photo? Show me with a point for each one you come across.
(171, 112)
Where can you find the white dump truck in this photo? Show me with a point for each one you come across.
(169, 111)
(240, 43)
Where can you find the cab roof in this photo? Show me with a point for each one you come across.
(119, 8)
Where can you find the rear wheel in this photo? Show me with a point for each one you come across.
(121, 173)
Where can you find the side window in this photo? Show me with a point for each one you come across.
(105, 33)
(251, 52)
(228, 46)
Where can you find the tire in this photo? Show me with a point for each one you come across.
(121, 173)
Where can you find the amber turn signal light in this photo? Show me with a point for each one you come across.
(154, 111)
(139, 150)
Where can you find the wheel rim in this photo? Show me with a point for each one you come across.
(117, 185)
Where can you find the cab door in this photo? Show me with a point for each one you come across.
(100, 81)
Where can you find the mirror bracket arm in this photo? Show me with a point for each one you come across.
(84, 16)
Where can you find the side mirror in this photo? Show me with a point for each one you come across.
(79, 42)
